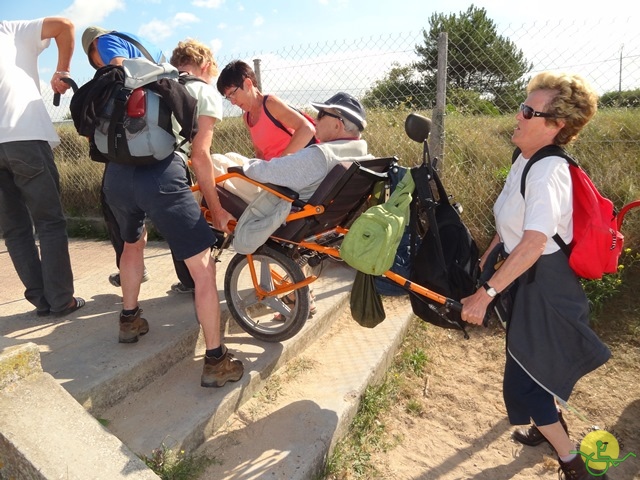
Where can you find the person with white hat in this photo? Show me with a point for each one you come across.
(339, 124)
(340, 121)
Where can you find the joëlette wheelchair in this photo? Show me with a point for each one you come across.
(271, 281)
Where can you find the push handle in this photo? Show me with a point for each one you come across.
(68, 81)
(453, 305)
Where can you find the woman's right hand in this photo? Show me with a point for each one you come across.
(474, 307)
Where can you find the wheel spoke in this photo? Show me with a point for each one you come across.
(259, 317)
(266, 277)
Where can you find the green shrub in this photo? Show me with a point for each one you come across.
(627, 98)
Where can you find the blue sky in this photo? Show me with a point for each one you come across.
(252, 25)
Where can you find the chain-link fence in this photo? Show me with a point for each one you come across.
(479, 119)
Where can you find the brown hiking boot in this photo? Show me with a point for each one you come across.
(577, 470)
(218, 371)
(532, 436)
(131, 326)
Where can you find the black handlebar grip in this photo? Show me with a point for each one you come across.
(68, 81)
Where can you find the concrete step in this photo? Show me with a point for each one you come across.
(175, 411)
(289, 432)
(45, 434)
(81, 351)
(149, 392)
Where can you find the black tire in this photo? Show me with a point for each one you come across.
(258, 317)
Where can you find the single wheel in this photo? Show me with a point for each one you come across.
(272, 319)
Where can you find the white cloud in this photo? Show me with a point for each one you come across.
(89, 12)
(258, 21)
(184, 18)
(207, 3)
(158, 30)
(319, 76)
(215, 45)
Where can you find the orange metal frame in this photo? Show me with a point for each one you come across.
(308, 211)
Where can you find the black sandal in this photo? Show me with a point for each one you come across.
(77, 304)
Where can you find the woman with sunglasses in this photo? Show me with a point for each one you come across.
(550, 345)
(276, 129)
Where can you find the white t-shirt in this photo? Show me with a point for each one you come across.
(548, 208)
(23, 113)
(209, 105)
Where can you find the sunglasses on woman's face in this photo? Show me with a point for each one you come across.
(528, 113)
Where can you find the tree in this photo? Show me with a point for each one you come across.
(478, 58)
(400, 87)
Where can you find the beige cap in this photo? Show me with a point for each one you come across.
(90, 34)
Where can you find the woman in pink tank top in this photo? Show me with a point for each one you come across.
(276, 129)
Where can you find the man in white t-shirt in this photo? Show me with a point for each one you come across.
(29, 179)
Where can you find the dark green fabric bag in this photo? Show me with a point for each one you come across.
(366, 304)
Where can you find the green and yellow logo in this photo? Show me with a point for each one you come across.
(600, 451)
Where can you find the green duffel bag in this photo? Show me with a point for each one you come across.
(370, 244)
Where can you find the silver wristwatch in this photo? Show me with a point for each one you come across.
(490, 290)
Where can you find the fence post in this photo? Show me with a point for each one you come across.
(436, 142)
(256, 69)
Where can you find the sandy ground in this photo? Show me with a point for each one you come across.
(462, 431)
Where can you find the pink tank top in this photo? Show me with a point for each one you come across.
(267, 137)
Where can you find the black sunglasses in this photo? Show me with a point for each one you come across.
(528, 113)
(323, 113)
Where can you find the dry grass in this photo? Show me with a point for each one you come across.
(476, 159)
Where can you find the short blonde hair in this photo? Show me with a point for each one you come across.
(193, 52)
(574, 102)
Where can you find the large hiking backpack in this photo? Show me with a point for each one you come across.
(446, 260)
(597, 242)
(126, 111)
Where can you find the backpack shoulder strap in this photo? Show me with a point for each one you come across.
(275, 121)
(185, 78)
(548, 151)
(138, 45)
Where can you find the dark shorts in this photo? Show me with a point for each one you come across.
(525, 399)
(160, 192)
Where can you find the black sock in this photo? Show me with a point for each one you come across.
(214, 352)
(130, 312)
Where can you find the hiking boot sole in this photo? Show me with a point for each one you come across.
(132, 338)
(220, 383)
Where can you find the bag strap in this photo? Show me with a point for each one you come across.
(547, 151)
(401, 195)
(119, 103)
(279, 124)
(422, 175)
(186, 77)
(139, 46)
(275, 121)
